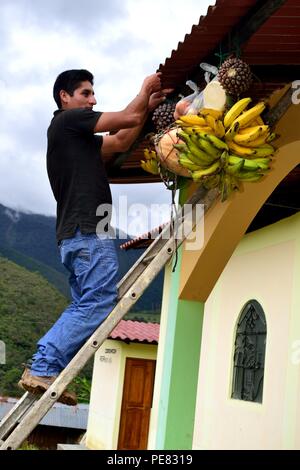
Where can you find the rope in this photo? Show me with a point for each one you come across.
(234, 47)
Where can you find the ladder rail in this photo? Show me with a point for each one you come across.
(136, 285)
(16, 413)
(140, 265)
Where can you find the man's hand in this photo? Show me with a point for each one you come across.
(158, 97)
(152, 83)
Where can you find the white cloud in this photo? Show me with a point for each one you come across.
(119, 41)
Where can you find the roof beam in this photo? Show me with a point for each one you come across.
(276, 113)
(253, 21)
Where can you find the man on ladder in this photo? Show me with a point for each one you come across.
(75, 165)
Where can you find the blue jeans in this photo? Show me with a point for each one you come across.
(93, 266)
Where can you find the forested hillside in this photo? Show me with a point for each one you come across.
(29, 240)
(28, 307)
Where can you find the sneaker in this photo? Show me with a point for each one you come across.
(39, 384)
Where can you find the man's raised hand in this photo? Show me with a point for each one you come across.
(158, 97)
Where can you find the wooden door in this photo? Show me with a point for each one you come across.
(136, 404)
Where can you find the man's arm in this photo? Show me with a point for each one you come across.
(134, 113)
(122, 140)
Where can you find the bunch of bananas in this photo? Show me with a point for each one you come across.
(150, 164)
(222, 150)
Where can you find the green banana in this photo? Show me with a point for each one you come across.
(208, 147)
(197, 175)
(197, 155)
(218, 143)
(249, 176)
(185, 161)
(272, 136)
(248, 164)
(264, 150)
(226, 186)
(201, 159)
(235, 168)
(262, 162)
(252, 164)
(210, 182)
(180, 147)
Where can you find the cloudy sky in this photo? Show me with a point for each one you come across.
(120, 41)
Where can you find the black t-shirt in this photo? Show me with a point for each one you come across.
(76, 171)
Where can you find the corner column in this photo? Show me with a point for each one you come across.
(174, 401)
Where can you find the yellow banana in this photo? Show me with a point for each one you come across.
(253, 133)
(246, 117)
(205, 129)
(235, 111)
(260, 121)
(232, 131)
(191, 129)
(197, 175)
(147, 154)
(188, 130)
(219, 129)
(192, 120)
(252, 129)
(241, 150)
(151, 166)
(210, 121)
(210, 112)
(257, 142)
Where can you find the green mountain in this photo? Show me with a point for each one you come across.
(29, 240)
(29, 305)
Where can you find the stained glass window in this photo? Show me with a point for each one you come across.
(249, 354)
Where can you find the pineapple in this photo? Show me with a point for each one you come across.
(235, 76)
(163, 115)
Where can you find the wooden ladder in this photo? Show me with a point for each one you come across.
(30, 409)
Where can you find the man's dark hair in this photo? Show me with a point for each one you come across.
(69, 81)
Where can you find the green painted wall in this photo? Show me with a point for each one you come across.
(178, 389)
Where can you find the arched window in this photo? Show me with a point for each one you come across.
(249, 354)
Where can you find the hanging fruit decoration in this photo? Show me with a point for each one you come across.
(219, 147)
